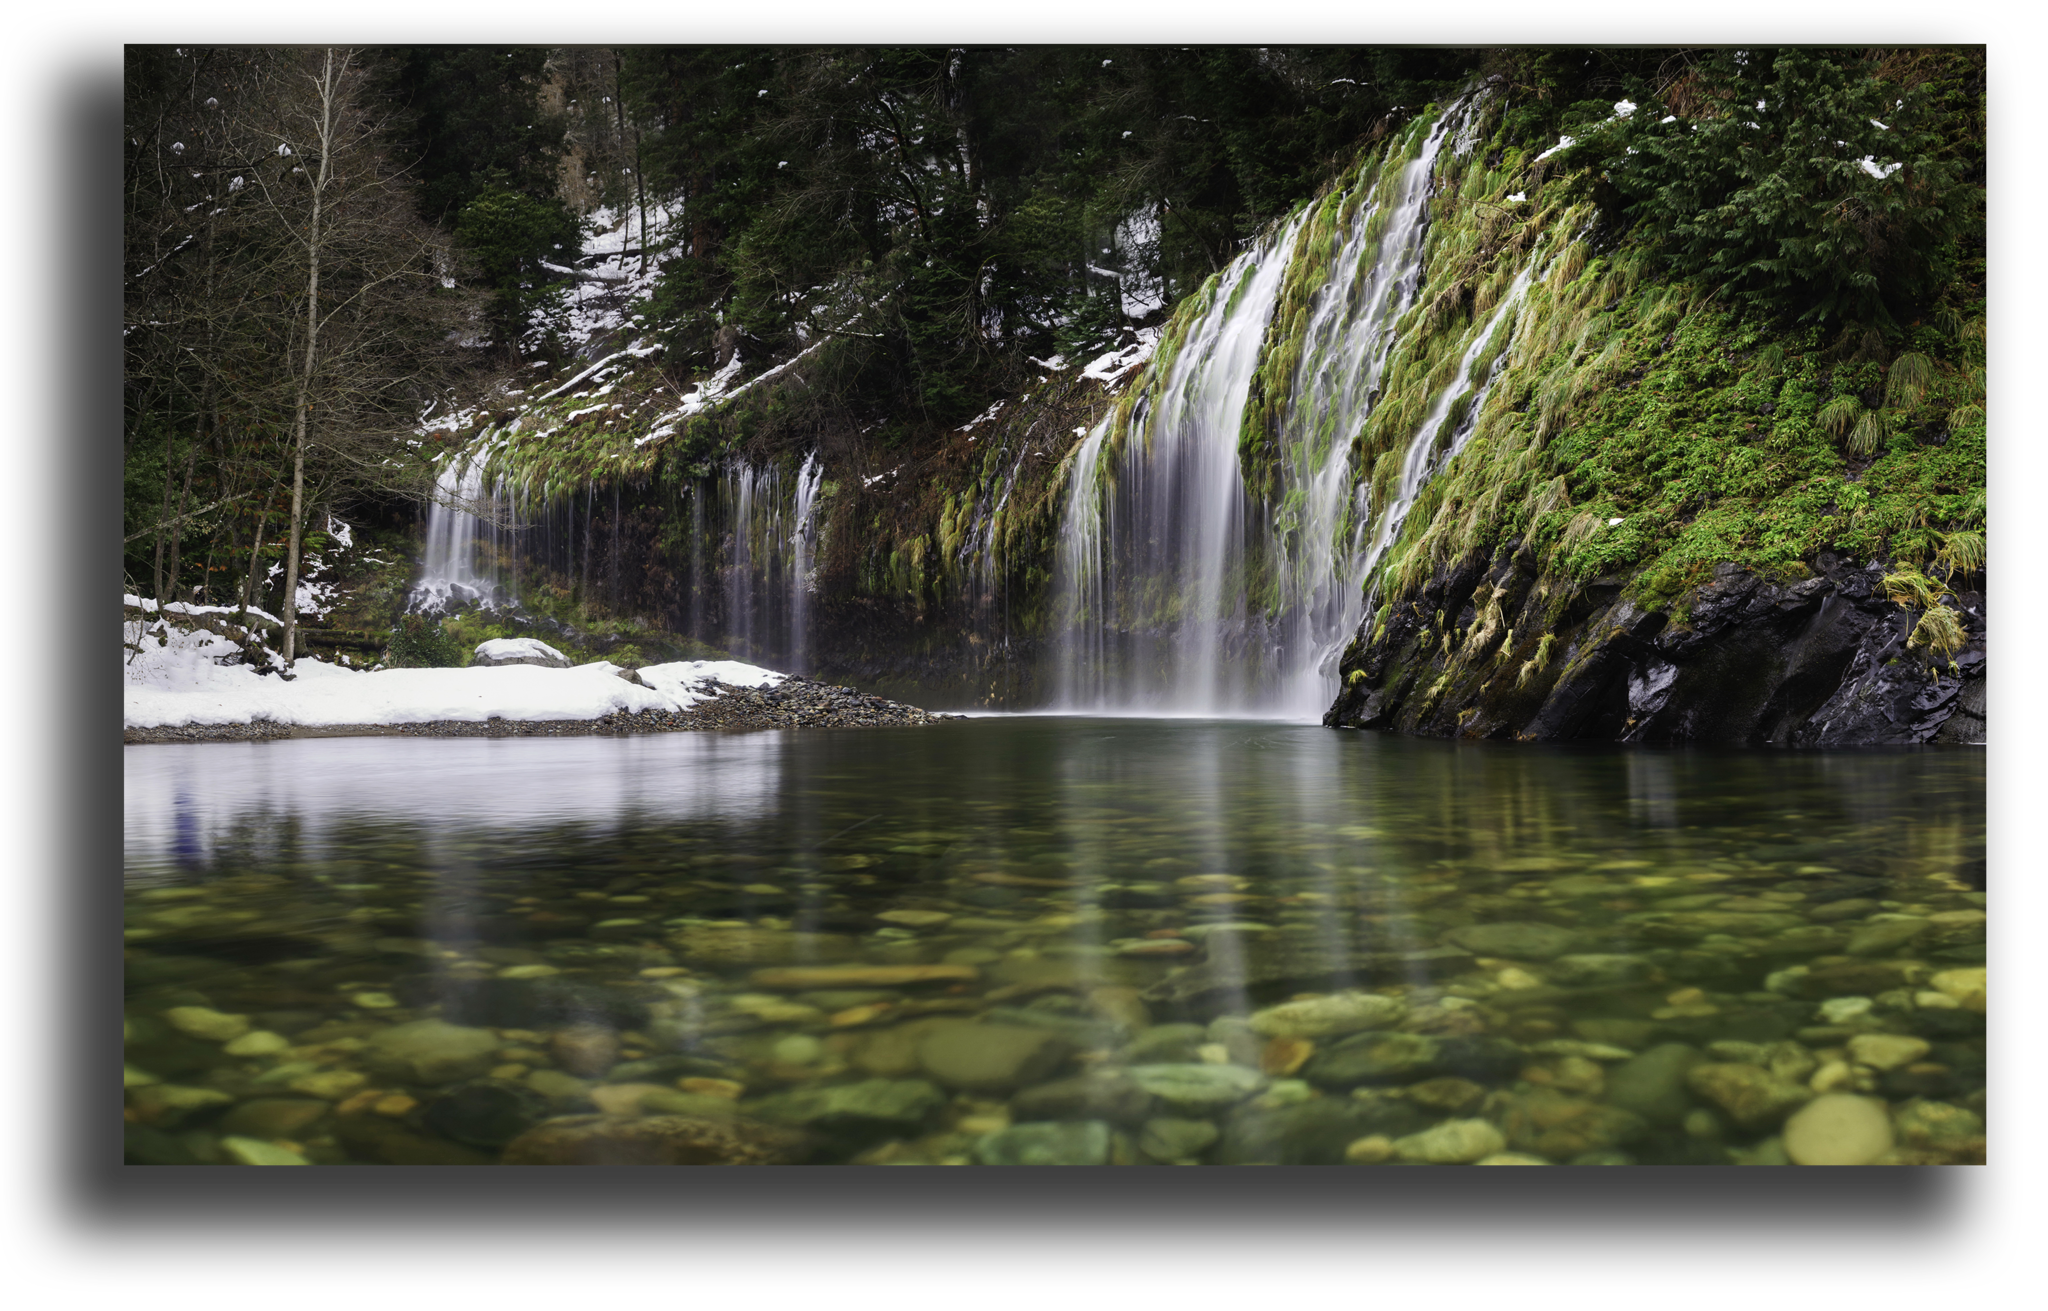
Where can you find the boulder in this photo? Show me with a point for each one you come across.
(517, 651)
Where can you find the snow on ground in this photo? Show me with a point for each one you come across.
(1114, 365)
(182, 682)
(610, 279)
(679, 678)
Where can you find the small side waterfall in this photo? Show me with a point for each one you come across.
(803, 547)
(460, 565)
(741, 579)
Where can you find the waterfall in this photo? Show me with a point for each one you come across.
(803, 547)
(451, 575)
(1176, 588)
(1421, 458)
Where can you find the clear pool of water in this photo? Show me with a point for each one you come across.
(1050, 940)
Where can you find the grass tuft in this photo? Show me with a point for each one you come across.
(1906, 384)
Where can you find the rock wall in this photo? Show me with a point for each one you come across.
(1741, 660)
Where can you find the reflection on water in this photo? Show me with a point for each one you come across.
(1055, 940)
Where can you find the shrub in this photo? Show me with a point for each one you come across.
(422, 643)
(1798, 180)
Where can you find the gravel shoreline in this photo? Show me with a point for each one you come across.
(793, 703)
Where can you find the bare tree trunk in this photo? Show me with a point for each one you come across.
(639, 176)
(255, 562)
(178, 524)
(326, 89)
(163, 516)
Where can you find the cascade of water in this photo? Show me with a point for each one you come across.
(1349, 337)
(1422, 458)
(803, 545)
(451, 574)
(1161, 545)
(1077, 565)
(740, 564)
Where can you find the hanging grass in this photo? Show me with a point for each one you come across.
(1907, 382)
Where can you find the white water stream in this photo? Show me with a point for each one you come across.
(459, 565)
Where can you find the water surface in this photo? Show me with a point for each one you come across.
(1048, 939)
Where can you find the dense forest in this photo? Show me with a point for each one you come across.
(340, 263)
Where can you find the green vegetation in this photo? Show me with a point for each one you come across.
(423, 643)
(1830, 186)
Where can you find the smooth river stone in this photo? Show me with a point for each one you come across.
(1838, 1129)
(1197, 1088)
(1966, 986)
(653, 1140)
(1886, 1051)
(206, 1024)
(990, 1058)
(1322, 1017)
(1454, 1142)
(862, 976)
(431, 1051)
(1515, 940)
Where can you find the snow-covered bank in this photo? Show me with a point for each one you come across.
(182, 683)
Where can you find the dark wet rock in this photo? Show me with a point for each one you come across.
(654, 1140)
(1084, 1142)
(1653, 1085)
(1404, 1058)
(1099, 1095)
(487, 1115)
(1517, 941)
(1817, 661)
(1313, 1132)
